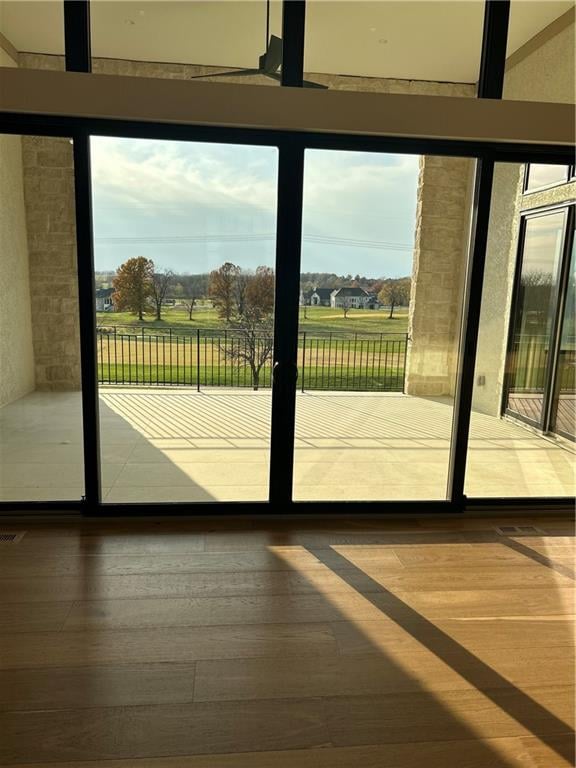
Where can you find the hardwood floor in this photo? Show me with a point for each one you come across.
(219, 644)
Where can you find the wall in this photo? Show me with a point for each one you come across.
(49, 193)
(440, 256)
(16, 357)
(547, 74)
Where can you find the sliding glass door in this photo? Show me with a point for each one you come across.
(184, 243)
(541, 360)
(381, 285)
(531, 339)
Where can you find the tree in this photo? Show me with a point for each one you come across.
(160, 285)
(189, 304)
(260, 292)
(239, 292)
(190, 288)
(222, 289)
(133, 285)
(251, 318)
(395, 293)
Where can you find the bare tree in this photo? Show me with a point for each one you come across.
(346, 306)
(252, 342)
(190, 303)
(239, 292)
(222, 289)
(160, 285)
(190, 288)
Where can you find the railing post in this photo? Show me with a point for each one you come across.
(198, 359)
(303, 357)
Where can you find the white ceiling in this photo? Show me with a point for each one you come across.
(412, 39)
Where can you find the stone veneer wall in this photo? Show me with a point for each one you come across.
(439, 254)
(49, 193)
(438, 272)
(16, 356)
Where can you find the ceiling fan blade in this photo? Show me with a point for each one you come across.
(310, 84)
(232, 72)
(272, 59)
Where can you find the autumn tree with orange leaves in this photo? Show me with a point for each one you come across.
(133, 285)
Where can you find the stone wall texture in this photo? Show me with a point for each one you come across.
(49, 194)
(439, 265)
(16, 355)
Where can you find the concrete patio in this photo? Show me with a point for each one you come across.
(181, 445)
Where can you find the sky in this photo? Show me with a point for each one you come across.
(192, 206)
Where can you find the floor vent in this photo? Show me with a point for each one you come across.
(519, 530)
(11, 538)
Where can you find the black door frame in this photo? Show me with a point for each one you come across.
(567, 207)
(291, 147)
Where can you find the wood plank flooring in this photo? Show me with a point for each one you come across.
(233, 644)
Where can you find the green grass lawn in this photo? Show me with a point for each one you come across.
(313, 377)
(318, 320)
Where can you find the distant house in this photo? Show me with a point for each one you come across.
(104, 301)
(354, 297)
(317, 297)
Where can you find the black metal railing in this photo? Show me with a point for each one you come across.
(242, 358)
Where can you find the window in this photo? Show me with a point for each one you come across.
(541, 176)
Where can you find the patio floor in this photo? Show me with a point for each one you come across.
(181, 445)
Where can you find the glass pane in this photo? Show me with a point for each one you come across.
(36, 32)
(185, 40)
(508, 457)
(541, 176)
(540, 62)
(423, 47)
(383, 258)
(184, 253)
(535, 306)
(564, 415)
(41, 449)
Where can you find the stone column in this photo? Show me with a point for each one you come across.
(50, 215)
(441, 242)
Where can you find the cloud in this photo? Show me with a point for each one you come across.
(155, 174)
(164, 189)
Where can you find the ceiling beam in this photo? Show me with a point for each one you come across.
(140, 99)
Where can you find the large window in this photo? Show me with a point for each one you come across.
(395, 47)
(381, 292)
(41, 439)
(184, 239)
(214, 41)
(231, 310)
(524, 373)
